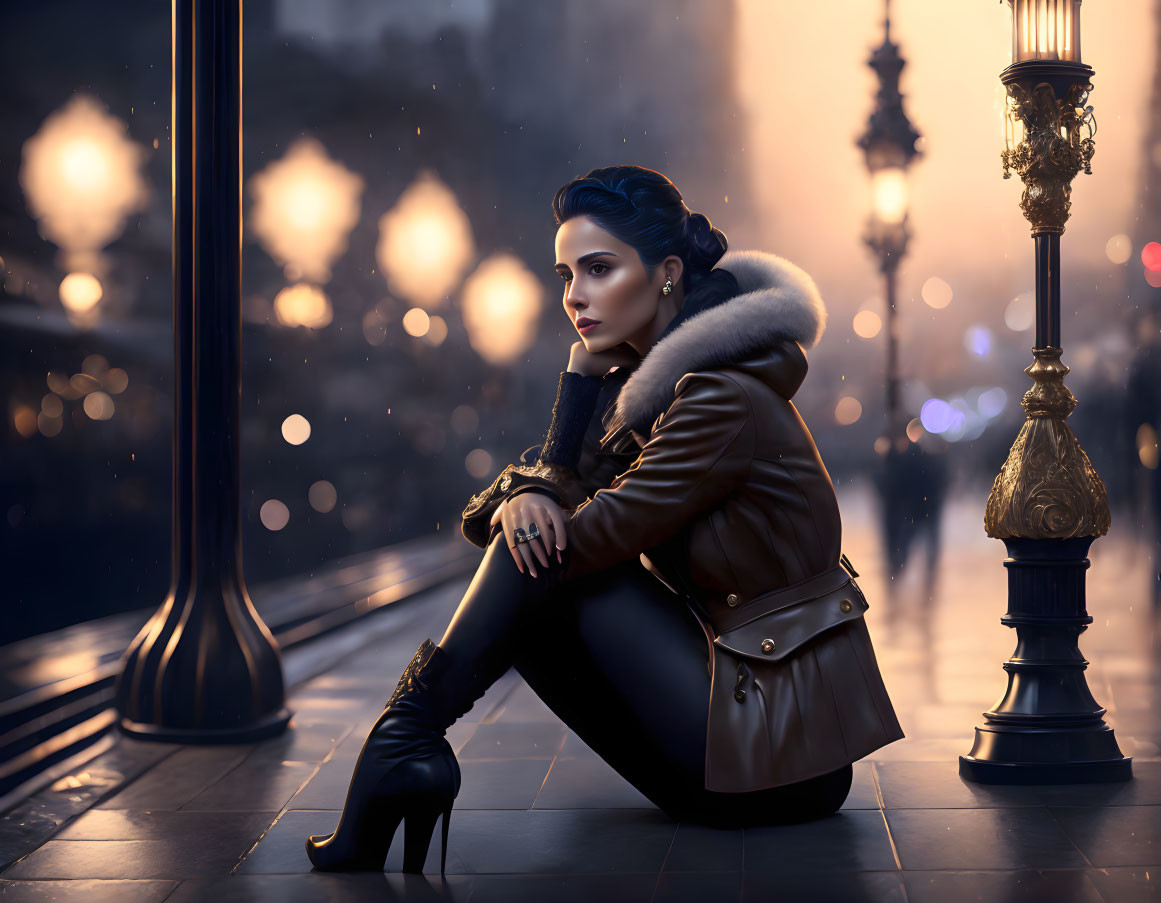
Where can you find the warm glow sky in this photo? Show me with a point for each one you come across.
(808, 90)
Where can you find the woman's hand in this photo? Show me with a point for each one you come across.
(524, 510)
(588, 363)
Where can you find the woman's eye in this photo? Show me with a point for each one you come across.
(565, 276)
(596, 272)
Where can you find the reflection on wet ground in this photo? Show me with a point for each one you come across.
(541, 817)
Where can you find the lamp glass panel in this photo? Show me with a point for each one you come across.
(889, 188)
(1045, 30)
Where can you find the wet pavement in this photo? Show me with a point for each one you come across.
(541, 817)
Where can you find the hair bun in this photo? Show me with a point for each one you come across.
(706, 244)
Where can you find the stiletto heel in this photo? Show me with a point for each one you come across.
(406, 772)
(418, 827)
(443, 852)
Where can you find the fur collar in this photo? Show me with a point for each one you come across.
(778, 301)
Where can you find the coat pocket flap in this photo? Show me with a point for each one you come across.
(776, 635)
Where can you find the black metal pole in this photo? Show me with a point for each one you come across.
(1047, 289)
(892, 324)
(205, 668)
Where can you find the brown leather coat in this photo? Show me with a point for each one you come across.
(729, 504)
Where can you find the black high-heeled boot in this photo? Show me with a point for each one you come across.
(405, 772)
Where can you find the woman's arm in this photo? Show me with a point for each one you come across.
(699, 452)
(555, 469)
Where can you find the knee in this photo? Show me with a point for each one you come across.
(498, 558)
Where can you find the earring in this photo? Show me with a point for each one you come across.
(668, 287)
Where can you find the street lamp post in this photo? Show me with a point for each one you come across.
(205, 668)
(1047, 503)
(889, 147)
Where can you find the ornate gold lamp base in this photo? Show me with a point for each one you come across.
(1048, 505)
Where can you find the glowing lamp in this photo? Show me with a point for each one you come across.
(1045, 30)
(889, 191)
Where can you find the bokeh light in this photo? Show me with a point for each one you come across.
(978, 340)
(24, 420)
(425, 242)
(81, 176)
(82, 384)
(296, 429)
(1153, 277)
(80, 292)
(478, 463)
(305, 206)
(915, 430)
(992, 402)
(416, 322)
(937, 416)
(95, 365)
(274, 515)
(501, 308)
(322, 496)
(114, 380)
(436, 330)
(966, 424)
(303, 305)
(52, 405)
(847, 411)
(59, 383)
(1151, 256)
(98, 406)
(867, 324)
(1119, 248)
(49, 426)
(936, 293)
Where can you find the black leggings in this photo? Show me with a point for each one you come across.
(623, 662)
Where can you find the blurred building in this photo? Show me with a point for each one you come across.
(502, 100)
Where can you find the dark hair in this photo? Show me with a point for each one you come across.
(644, 209)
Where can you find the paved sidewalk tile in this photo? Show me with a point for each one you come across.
(1018, 886)
(962, 839)
(86, 890)
(1114, 836)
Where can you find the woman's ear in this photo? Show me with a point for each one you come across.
(673, 267)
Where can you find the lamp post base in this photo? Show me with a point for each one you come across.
(992, 772)
(1047, 728)
(268, 726)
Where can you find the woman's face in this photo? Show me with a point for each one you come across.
(606, 282)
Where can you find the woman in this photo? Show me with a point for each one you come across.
(731, 679)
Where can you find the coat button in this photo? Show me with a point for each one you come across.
(845, 606)
(505, 483)
(767, 646)
(732, 599)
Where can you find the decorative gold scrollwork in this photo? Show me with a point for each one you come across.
(1051, 151)
(1048, 488)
